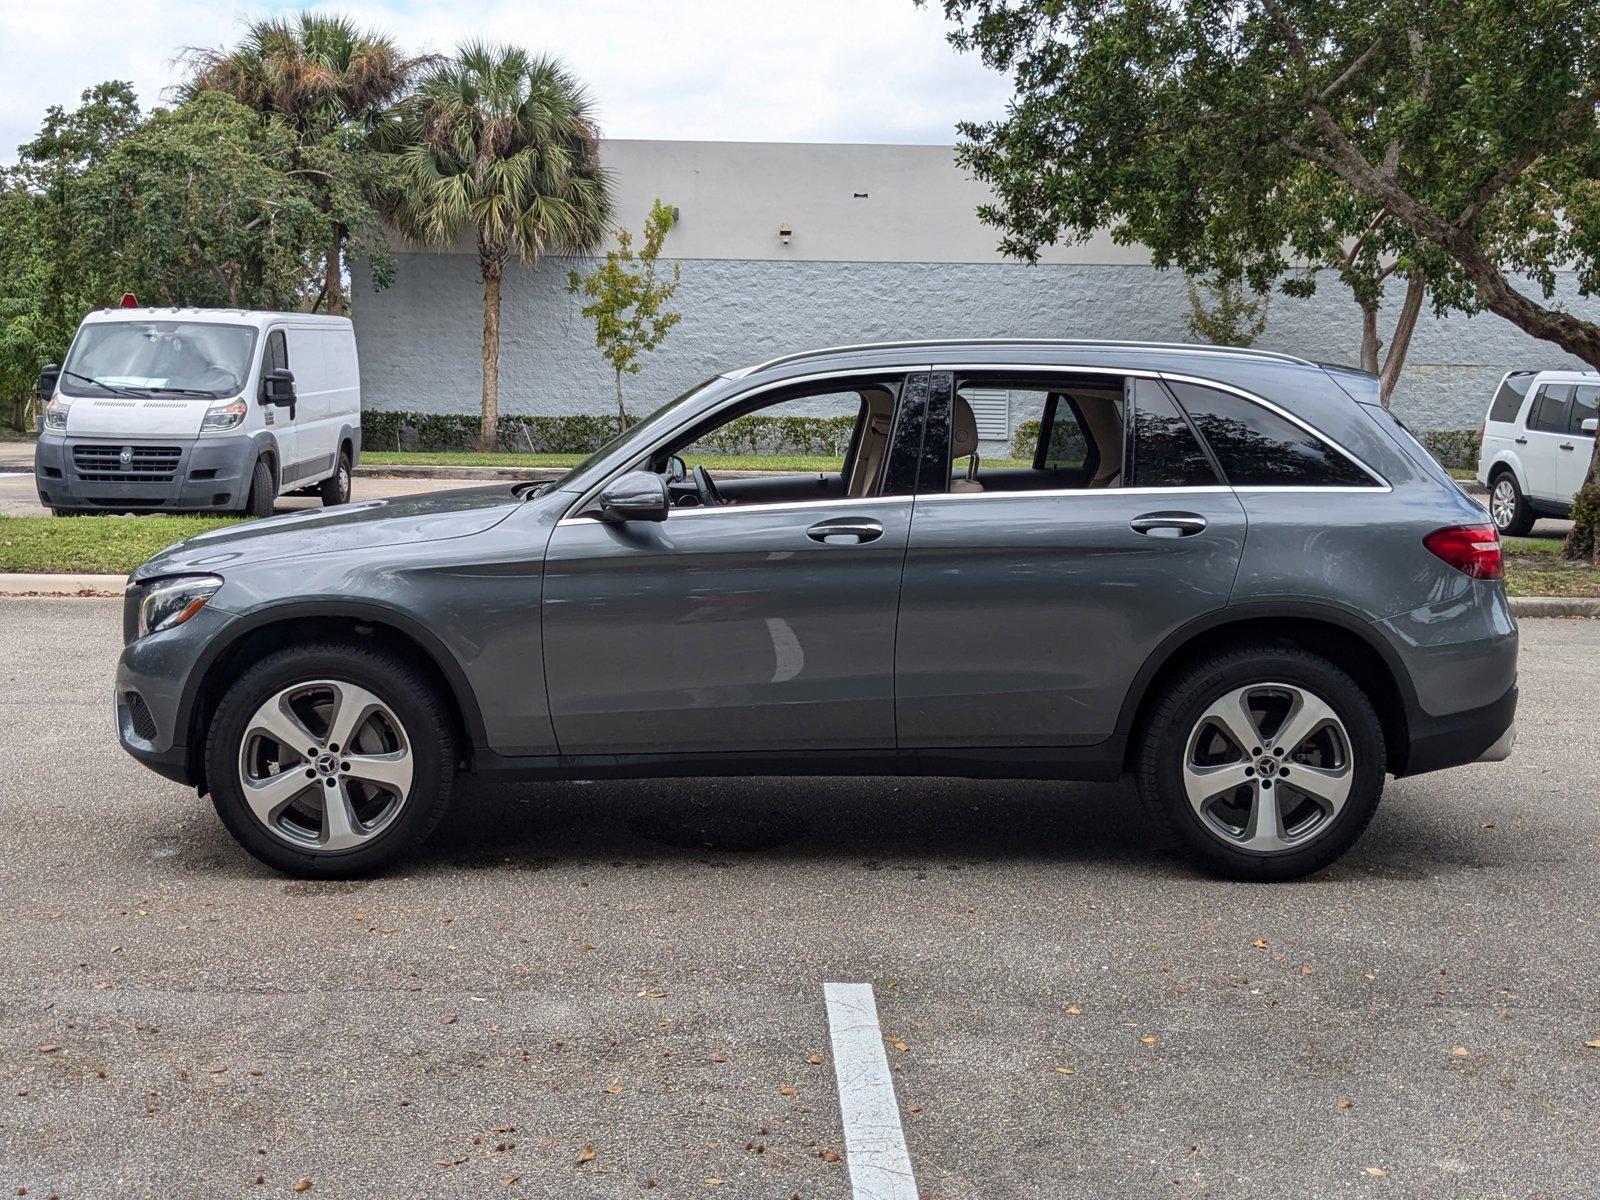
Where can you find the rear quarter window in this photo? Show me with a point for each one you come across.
(1257, 448)
(1508, 400)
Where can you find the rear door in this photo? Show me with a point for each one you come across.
(1574, 451)
(1546, 431)
(1028, 605)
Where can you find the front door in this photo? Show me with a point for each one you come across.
(759, 625)
(1546, 431)
(281, 422)
(1574, 451)
(1034, 590)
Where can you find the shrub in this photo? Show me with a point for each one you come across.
(390, 430)
(1452, 447)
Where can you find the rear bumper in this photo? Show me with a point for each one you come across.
(208, 474)
(1474, 735)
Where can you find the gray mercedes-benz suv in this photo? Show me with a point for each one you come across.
(1230, 573)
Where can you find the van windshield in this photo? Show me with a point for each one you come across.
(192, 358)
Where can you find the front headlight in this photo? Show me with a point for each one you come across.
(55, 414)
(170, 602)
(223, 415)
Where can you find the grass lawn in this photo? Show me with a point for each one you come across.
(92, 545)
(1534, 567)
(1464, 474)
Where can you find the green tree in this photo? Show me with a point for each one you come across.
(51, 270)
(1224, 312)
(333, 85)
(204, 205)
(628, 299)
(1458, 144)
(503, 144)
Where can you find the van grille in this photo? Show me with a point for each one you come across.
(146, 464)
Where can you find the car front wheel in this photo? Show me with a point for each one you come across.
(331, 760)
(1263, 763)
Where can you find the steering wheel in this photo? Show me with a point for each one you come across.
(709, 496)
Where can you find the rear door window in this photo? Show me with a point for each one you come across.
(1549, 413)
(1585, 407)
(1166, 452)
(1257, 448)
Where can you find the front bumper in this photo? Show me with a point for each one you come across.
(157, 681)
(191, 474)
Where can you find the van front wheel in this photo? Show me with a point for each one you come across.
(335, 489)
(258, 503)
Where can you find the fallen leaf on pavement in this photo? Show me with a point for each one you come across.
(788, 1091)
(303, 1186)
(651, 994)
(1260, 943)
(899, 1045)
(1074, 1011)
(712, 1181)
(448, 1019)
(49, 1048)
(1460, 1052)
(586, 1154)
(814, 1059)
(1377, 1172)
(1347, 1104)
(614, 1090)
(1065, 1071)
(1593, 1043)
(829, 1156)
(1148, 1041)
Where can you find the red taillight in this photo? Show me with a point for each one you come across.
(1471, 549)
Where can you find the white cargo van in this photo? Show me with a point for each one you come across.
(199, 410)
(1535, 446)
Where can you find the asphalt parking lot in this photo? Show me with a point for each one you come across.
(608, 989)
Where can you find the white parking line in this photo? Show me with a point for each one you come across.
(875, 1145)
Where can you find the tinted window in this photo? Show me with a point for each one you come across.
(1508, 400)
(277, 351)
(1585, 407)
(1256, 447)
(1165, 452)
(1549, 413)
(1067, 447)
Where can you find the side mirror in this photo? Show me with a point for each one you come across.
(1587, 425)
(48, 378)
(277, 387)
(636, 496)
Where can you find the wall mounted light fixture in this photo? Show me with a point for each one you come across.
(785, 233)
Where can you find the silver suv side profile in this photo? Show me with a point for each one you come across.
(1231, 574)
(1535, 445)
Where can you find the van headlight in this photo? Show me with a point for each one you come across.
(170, 602)
(55, 414)
(223, 414)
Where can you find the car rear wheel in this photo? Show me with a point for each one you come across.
(1264, 763)
(1508, 507)
(330, 761)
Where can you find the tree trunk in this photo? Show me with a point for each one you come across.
(333, 278)
(489, 424)
(622, 413)
(1405, 325)
(1583, 542)
(1371, 343)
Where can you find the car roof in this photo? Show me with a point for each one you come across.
(215, 316)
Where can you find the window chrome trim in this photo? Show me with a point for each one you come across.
(775, 506)
(1063, 493)
(1293, 420)
(592, 493)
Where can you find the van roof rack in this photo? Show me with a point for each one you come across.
(1162, 347)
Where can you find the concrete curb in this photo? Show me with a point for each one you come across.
(89, 586)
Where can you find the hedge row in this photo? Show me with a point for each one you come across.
(390, 430)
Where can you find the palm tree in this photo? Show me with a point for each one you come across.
(504, 144)
(330, 81)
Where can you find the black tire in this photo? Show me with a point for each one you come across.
(1164, 745)
(428, 731)
(1521, 514)
(336, 488)
(259, 500)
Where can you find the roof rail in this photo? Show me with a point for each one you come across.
(1165, 347)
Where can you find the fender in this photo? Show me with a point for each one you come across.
(336, 607)
(264, 443)
(1284, 607)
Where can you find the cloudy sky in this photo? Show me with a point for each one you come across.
(752, 70)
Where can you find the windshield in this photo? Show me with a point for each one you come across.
(640, 433)
(187, 357)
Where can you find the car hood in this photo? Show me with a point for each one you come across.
(365, 525)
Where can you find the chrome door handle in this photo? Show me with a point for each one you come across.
(1168, 524)
(859, 528)
(1521, 441)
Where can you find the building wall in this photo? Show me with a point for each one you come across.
(420, 339)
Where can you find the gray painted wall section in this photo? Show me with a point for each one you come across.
(419, 339)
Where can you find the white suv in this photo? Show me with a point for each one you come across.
(1536, 443)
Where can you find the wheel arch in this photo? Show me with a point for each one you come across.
(257, 634)
(1342, 637)
(1507, 463)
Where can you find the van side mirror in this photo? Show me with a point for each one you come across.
(636, 496)
(48, 378)
(1588, 424)
(277, 387)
